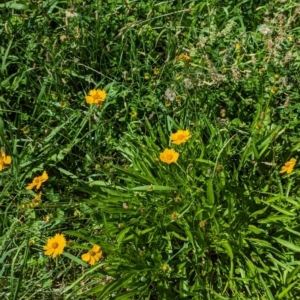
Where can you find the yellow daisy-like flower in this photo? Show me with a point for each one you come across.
(37, 181)
(169, 156)
(93, 255)
(96, 97)
(55, 246)
(184, 57)
(179, 137)
(288, 167)
(5, 160)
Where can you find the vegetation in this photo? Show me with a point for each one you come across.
(149, 149)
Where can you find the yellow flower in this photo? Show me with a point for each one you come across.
(95, 97)
(165, 268)
(274, 90)
(167, 103)
(133, 114)
(55, 246)
(46, 219)
(184, 57)
(237, 47)
(156, 71)
(174, 216)
(4, 160)
(179, 137)
(288, 166)
(93, 255)
(37, 181)
(169, 156)
(147, 76)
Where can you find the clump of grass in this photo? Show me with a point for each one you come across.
(149, 151)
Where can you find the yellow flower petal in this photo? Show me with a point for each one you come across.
(92, 261)
(44, 176)
(7, 160)
(86, 257)
(30, 186)
(49, 251)
(96, 248)
(89, 99)
(98, 256)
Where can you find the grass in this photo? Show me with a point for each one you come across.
(220, 223)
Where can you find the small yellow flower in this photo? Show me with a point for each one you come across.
(37, 181)
(288, 167)
(261, 71)
(179, 137)
(147, 76)
(184, 57)
(169, 156)
(96, 97)
(55, 246)
(47, 219)
(31, 243)
(156, 71)
(174, 216)
(93, 255)
(237, 47)
(177, 199)
(276, 76)
(178, 76)
(133, 114)
(5, 160)
(167, 103)
(25, 129)
(274, 90)
(165, 268)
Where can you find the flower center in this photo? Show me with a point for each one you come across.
(54, 245)
(169, 156)
(36, 180)
(92, 253)
(180, 137)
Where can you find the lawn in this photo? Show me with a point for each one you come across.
(149, 149)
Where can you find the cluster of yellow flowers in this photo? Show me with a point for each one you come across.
(56, 245)
(170, 155)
